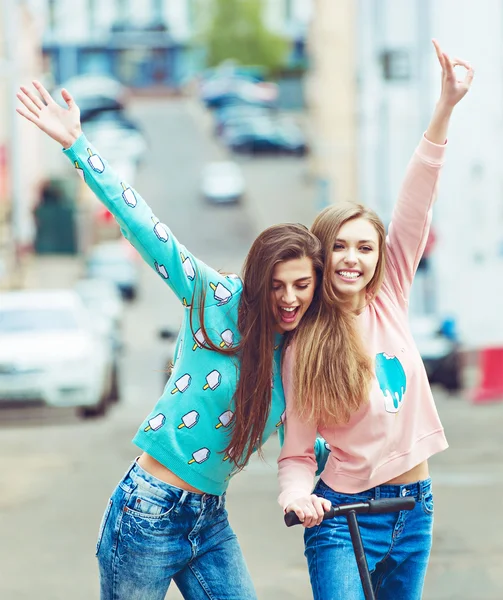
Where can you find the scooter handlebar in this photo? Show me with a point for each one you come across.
(381, 506)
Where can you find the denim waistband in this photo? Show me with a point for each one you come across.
(136, 476)
(417, 489)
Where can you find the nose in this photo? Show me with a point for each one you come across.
(350, 257)
(288, 296)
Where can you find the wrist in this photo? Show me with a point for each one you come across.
(444, 107)
(71, 138)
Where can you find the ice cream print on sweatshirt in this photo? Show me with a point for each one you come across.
(188, 428)
(392, 381)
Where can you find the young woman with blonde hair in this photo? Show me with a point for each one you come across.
(380, 432)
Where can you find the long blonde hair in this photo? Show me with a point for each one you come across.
(333, 371)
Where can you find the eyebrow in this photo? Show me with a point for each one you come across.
(360, 242)
(308, 278)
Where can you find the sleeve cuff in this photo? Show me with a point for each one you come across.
(430, 152)
(80, 143)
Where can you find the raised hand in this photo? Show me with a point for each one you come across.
(62, 124)
(453, 89)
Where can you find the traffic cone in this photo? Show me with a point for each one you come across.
(490, 386)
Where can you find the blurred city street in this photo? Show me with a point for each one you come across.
(58, 471)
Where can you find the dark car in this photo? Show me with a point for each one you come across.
(263, 135)
(438, 346)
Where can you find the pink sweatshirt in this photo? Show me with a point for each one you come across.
(399, 427)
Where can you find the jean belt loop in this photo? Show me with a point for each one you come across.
(182, 498)
(423, 486)
(377, 493)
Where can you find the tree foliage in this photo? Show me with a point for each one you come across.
(236, 30)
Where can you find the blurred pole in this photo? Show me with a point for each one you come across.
(10, 25)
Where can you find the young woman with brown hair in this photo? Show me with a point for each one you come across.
(166, 518)
(382, 430)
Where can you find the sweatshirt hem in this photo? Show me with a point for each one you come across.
(346, 483)
(423, 449)
(180, 469)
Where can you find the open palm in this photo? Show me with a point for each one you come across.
(60, 123)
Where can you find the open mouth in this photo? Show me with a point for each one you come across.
(288, 314)
(349, 275)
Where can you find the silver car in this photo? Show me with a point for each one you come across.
(52, 352)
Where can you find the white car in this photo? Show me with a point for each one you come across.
(222, 182)
(52, 352)
(115, 261)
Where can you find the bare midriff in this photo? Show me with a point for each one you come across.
(417, 473)
(154, 468)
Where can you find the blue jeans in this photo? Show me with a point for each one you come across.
(397, 546)
(153, 532)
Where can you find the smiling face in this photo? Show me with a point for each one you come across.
(355, 257)
(293, 287)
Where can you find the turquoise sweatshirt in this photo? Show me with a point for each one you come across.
(187, 430)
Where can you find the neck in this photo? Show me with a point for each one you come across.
(358, 302)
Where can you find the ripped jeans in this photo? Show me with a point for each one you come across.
(152, 533)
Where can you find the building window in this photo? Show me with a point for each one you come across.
(122, 10)
(158, 11)
(51, 15)
(91, 15)
(288, 10)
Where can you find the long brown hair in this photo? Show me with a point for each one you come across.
(256, 322)
(333, 371)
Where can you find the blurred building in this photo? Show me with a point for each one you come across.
(153, 42)
(21, 168)
(331, 99)
(141, 43)
(291, 19)
(373, 87)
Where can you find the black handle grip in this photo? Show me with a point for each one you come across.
(381, 506)
(291, 519)
(387, 505)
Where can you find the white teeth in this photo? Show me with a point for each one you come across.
(349, 274)
(288, 309)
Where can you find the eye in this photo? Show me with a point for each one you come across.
(338, 246)
(276, 287)
(366, 248)
(303, 286)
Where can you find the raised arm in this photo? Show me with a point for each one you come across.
(153, 240)
(408, 231)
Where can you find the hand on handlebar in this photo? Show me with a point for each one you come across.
(309, 509)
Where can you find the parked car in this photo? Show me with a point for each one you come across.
(222, 91)
(222, 182)
(170, 337)
(51, 351)
(114, 133)
(265, 135)
(439, 349)
(94, 94)
(114, 261)
(104, 301)
(235, 114)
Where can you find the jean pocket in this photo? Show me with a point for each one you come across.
(148, 506)
(427, 503)
(104, 520)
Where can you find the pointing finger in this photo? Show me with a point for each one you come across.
(439, 52)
